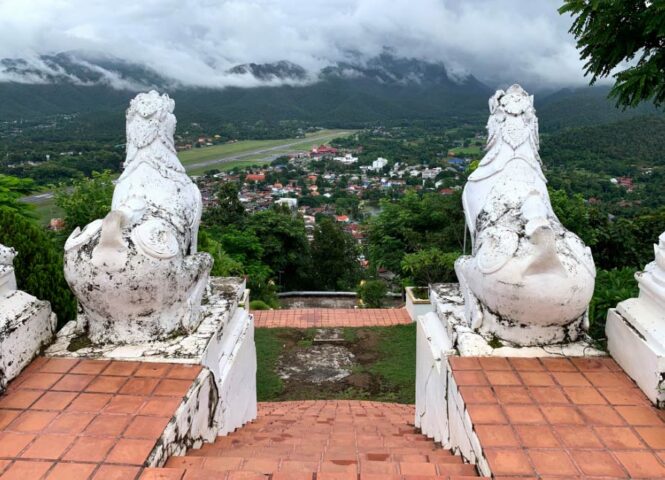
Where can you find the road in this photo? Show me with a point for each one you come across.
(271, 153)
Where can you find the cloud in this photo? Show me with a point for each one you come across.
(196, 42)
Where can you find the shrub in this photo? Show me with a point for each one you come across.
(372, 293)
(612, 287)
(258, 305)
(430, 266)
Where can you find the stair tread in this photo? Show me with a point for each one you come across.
(324, 440)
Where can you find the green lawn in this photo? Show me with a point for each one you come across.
(471, 151)
(385, 370)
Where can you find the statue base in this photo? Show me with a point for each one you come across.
(636, 339)
(26, 326)
(223, 397)
(450, 310)
(444, 334)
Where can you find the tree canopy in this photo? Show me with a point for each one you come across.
(614, 33)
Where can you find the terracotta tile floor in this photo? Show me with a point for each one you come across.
(322, 440)
(331, 317)
(78, 419)
(564, 418)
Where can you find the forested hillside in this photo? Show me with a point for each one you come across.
(617, 148)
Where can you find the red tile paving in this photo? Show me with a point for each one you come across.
(331, 317)
(68, 419)
(564, 418)
(334, 440)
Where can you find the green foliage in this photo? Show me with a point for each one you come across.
(430, 265)
(258, 305)
(612, 287)
(11, 190)
(614, 149)
(38, 265)
(613, 33)
(334, 257)
(228, 210)
(628, 242)
(224, 265)
(285, 249)
(414, 223)
(87, 199)
(574, 214)
(372, 293)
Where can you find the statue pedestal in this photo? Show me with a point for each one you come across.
(223, 397)
(444, 335)
(26, 325)
(636, 339)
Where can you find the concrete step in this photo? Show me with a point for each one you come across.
(318, 440)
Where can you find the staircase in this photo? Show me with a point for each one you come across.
(321, 440)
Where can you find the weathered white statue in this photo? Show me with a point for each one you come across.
(26, 323)
(529, 280)
(652, 279)
(7, 275)
(136, 273)
(635, 329)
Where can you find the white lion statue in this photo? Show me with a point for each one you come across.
(529, 280)
(136, 273)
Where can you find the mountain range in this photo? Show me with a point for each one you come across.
(384, 89)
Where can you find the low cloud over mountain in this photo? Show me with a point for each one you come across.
(268, 42)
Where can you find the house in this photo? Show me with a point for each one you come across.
(342, 218)
(322, 150)
(378, 164)
(255, 177)
(347, 159)
(292, 203)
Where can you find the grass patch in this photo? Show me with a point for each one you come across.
(268, 348)
(397, 363)
(385, 367)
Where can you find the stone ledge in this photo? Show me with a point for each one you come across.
(26, 326)
(448, 304)
(223, 296)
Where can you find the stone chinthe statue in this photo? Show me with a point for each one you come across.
(7, 275)
(26, 323)
(528, 280)
(635, 329)
(136, 273)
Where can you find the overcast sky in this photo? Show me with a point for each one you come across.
(196, 41)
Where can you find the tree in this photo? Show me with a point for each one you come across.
(229, 209)
(11, 191)
(87, 199)
(224, 265)
(431, 265)
(39, 263)
(334, 257)
(284, 243)
(612, 33)
(414, 223)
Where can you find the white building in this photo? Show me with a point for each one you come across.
(347, 159)
(431, 173)
(292, 203)
(378, 164)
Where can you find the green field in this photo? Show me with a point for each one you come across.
(249, 152)
(470, 151)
